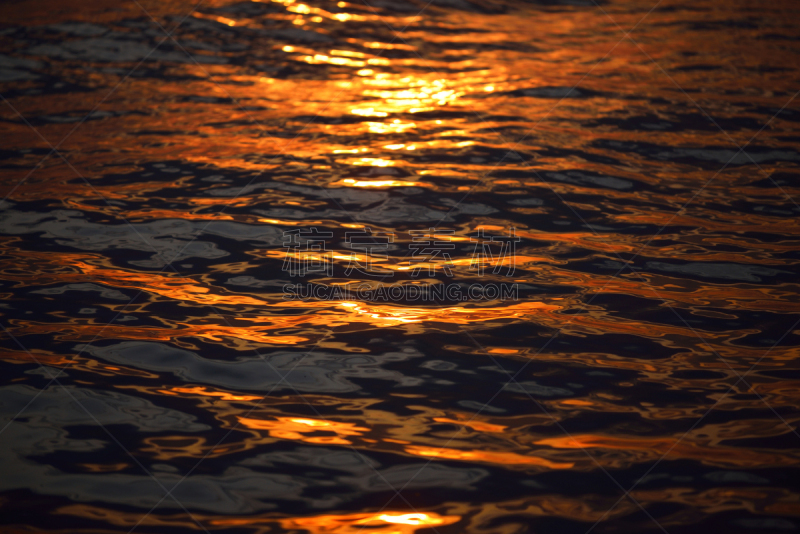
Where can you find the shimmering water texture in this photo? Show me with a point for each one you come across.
(646, 377)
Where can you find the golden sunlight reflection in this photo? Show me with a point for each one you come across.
(372, 162)
(296, 429)
(395, 126)
(368, 112)
(384, 522)
(221, 395)
(350, 182)
(492, 457)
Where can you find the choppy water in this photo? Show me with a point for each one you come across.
(156, 379)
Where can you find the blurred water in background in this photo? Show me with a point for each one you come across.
(156, 379)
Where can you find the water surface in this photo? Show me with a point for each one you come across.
(156, 379)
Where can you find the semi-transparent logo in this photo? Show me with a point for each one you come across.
(430, 270)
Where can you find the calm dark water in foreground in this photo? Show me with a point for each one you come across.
(630, 363)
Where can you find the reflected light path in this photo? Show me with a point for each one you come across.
(466, 266)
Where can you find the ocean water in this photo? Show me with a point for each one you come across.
(459, 266)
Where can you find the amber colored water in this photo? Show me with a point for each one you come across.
(156, 380)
